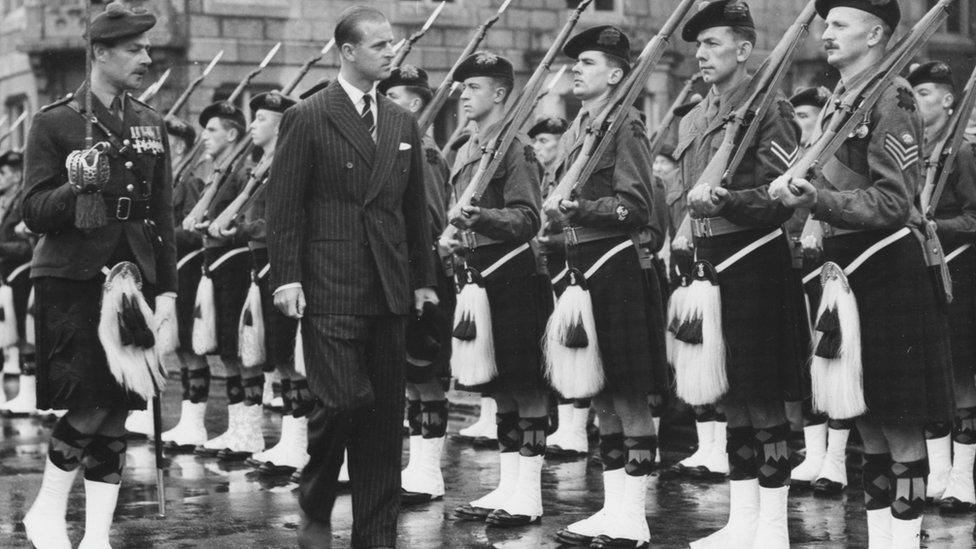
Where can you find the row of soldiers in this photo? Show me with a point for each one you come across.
(597, 251)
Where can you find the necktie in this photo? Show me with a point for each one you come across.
(116, 107)
(367, 115)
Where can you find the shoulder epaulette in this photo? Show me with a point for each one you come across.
(63, 101)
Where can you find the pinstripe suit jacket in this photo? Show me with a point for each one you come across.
(347, 217)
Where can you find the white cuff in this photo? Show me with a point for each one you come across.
(287, 287)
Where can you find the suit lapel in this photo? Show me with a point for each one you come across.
(340, 110)
(388, 126)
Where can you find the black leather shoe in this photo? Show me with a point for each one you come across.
(416, 498)
(271, 470)
(603, 542)
(559, 453)
(827, 487)
(505, 519)
(485, 442)
(230, 455)
(566, 537)
(470, 512)
(953, 506)
(205, 452)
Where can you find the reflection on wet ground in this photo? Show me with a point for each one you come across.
(220, 505)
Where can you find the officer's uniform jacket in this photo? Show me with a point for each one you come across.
(511, 201)
(140, 181)
(955, 214)
(773, 150)
(874, 179)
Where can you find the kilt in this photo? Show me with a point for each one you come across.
(962, 315)
(279, 330)
(627, 311)
(905, 349)
(521, 302)
(759, 318)
(440, 368)
(189, 272)
(230, 280)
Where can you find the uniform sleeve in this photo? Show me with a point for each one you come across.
(49, 202)
(519, 220)
(964, 189)
(777, 147)
(286, 217)
(894, 168)
(436, 174)
(417, 219)
(630, 205)
(162, 212)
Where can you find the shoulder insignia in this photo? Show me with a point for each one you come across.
(638, 129)
(786, 110)
(906, 99)
(529, 152)
(903, 154)
(622, 213)
(432, 155)
(784, 156)
(63, 101)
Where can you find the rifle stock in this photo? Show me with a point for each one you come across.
(219, 175)
(224, 220)
(511, 124)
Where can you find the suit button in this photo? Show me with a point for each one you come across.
(365, 243)
(348, 165)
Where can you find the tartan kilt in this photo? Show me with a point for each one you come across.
(905, 348)
(764, 362)
(440, 368)
(626, 311)
(230, 280)
(188, 278)
(521, 302)
(962, 315)
(279, 330)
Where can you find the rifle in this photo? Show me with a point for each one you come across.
(182, 99)
(436, 103)
(941, 162)
(220, 174)
(553, 80)
(153, 89)
(290, 87)
(740, 128)
(404, 50)
(13, 127)
(191, 157)
(611, 117)
(518, 113)
(660, 135)
(255, 180)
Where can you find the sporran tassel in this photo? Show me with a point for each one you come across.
(700, 374)
(299, 352)
(204, 335)
(574, 365)
(473, 359)
(8, 320)
(836, 374)
(250, 330)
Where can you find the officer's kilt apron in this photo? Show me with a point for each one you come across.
(627, 311)
(279, 330)
(230, 281)
(760, 313)
(188, 271)
(905, 353)
(521, 302)
(72, 371)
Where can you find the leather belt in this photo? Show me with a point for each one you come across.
(472, 240)
(704, 227)
(830, 231)
(582, 235)
(124, 208)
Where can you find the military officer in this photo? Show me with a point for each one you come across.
(426, 377)
(756, 290)
(67, 267)
(863, 199)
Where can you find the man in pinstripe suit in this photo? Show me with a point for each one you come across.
(349, 243)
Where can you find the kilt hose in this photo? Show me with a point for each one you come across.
(189, 271)
(230, 281)
(962, 315)
(764, 361)
(625, 310)
(355, 370)
(904, 330)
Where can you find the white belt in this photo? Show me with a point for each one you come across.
(736, 257)
(187, 258)
(503, 260)
(264, 271)
(223, 259)
(18, 271)
(599, 262)
(866, 254)
(949, 257)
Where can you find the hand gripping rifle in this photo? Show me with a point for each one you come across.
(740, 129)
(608, 121)
(495, 149)
(407, 45)
(661, 134)
(435, 105)
(222, 171)
(191, 157)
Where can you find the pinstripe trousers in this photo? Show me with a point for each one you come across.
(362, 356)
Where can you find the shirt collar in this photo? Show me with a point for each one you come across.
(355, 94)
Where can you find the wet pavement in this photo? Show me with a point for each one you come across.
(217, 505)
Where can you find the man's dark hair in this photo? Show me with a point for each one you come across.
(505, 83)
(425, 94)
(348, 30)
(617, 63)
(229, 124)
(746, 34)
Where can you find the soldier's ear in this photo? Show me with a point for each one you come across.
(948, 100)
(744, 51)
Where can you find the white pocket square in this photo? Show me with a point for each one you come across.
(405, 146)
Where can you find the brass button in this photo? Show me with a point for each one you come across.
(126, 142)
(128, 165)
(130, 187)
(348, 165)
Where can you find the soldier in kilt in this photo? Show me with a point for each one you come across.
(864, 199)
(758, 305)
(595, 234)
(228, 265)
(86, 226)
(951, 478)
(496, 233)
(428, 360)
